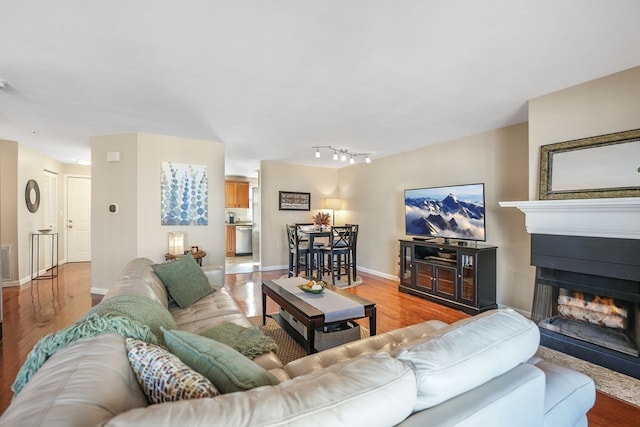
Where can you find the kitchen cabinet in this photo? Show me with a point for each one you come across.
(236, 194)
(230, 247)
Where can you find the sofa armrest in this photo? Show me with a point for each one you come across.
(515, 398)
(215, 274)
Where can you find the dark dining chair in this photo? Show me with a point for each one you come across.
(298, 252)
(339, 252)
(354, 232)
(315, 255)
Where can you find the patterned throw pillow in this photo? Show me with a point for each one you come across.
(163, 377)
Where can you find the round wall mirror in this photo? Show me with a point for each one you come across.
(32, 195)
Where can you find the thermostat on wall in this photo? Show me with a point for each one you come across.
(113, 208)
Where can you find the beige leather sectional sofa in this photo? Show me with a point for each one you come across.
(475, 372)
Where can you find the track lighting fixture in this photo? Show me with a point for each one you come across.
(342, 154)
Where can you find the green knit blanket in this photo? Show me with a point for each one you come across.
(87, 327)
(250, 342)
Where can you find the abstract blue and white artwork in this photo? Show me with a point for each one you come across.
(184, 196)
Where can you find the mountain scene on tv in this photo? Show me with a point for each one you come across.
(457, 213)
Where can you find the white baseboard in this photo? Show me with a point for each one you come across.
(99, 291)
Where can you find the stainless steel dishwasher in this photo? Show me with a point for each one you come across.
(243, 239)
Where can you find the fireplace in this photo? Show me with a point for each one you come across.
(587, 298)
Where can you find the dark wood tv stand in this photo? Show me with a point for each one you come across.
(459, 276)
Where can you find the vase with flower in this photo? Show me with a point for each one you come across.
(321, 220)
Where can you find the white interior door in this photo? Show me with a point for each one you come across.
(78, 219)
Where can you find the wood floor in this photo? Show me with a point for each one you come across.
(59, 303)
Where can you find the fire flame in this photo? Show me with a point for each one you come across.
(602, 304)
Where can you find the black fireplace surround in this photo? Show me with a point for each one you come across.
(605, 267)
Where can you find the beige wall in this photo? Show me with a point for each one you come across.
(373, 197)
(134, 184)
(606, 105)
(320, 182)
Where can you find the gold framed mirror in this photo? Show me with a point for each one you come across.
(595, 167)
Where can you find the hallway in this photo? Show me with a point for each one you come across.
(239, 264)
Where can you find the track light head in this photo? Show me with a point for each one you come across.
(342, 154)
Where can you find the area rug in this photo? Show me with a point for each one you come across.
(613, 383)
(341, 283)
(610, 382)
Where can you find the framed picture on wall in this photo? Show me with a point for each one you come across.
(294, 201)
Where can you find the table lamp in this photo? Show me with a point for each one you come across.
(176, 243)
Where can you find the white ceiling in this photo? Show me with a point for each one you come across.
(271, 79)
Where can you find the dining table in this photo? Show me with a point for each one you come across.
(312, 234)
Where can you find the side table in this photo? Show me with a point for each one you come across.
(196, 255)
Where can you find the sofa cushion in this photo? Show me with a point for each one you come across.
(227, 369)
(469, 353)
(209, 311)
(140, 308)
(387, 342)
(184, 279)
(372, 391)
(163, 377)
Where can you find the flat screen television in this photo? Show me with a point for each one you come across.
(450, 212)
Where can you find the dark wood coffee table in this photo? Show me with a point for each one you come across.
(306, 314)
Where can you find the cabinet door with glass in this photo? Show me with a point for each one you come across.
(468, 293)
(406, 264)
(444, 281)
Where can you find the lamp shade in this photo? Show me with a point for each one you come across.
(334, 204)
(176, 243)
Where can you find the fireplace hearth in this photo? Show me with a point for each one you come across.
(587, 298)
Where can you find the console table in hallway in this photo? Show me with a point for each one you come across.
(35, 257)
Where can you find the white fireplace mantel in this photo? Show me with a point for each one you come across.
(617, 218)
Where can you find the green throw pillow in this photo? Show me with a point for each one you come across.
(137, 307)
(227, 369)
(184, 279)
